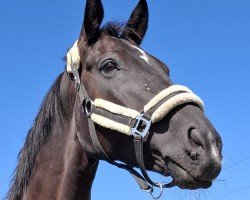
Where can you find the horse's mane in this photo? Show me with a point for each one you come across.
(35, 139)
(113, 29)
(42, 127)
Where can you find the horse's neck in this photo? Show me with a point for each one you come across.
(62, 169)
(61, 172)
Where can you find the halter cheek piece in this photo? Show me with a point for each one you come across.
(128, 121)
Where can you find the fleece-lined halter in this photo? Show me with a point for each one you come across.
(129, 121)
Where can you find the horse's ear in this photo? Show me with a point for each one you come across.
(137, 25)
(92, 20)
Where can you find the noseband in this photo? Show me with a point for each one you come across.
(129, 121)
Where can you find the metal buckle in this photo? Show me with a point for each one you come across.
(141, 127)
(76, 76)
(149, 190)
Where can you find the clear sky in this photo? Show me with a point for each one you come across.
(205, 43)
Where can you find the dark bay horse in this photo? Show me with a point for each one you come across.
(60, 156)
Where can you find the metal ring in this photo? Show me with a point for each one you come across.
(161, 191)
(87, 106)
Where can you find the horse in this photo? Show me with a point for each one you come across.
(115, 102)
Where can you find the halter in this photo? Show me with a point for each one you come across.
(129, 121)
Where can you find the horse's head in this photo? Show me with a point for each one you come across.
(183, 144)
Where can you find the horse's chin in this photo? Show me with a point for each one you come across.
(185, 180)
(180, 176)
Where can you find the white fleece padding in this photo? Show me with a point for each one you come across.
(73, 57)
(114, 108)
(163, 94)
(110, 124)
(175, 101)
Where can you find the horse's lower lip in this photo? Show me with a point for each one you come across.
(185, 180)
(180, 176)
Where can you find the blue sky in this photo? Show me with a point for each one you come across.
(206, 44)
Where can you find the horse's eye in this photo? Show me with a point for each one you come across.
(108, 66)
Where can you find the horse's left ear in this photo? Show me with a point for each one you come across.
(92, 20)
(137, 25)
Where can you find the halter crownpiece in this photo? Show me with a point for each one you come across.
(129, 121)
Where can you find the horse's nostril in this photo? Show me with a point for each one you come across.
(196, 138)
(194, 155)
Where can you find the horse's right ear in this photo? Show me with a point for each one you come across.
(137, 25)
(92, 20)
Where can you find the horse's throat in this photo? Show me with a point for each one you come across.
(62, 171)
